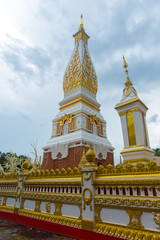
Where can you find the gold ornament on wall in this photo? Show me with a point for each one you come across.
(78, 74)
(87, 200)
(58, 207)
(156, 218)
(48, 207)
(37, 206)
(135, 219)
(64, 118)
(95, 118)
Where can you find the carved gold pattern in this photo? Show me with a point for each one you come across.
(125, 232)
(19, 192)
(80, 210)
(58, 207)
(156, 218)
(78, 74)
(135, 219)
(129, 169)
(52, 218)
(95, 118)
(64, 118)
(53, 197)
(98, 213)
(7, 209)
(22, 203)
(10, 193)
(37, 206)
(87, 200)
(88, 177)
(87, 224)
(48, 207)
(127, 201)
(81, 36)
(63, 173)
(4, 201)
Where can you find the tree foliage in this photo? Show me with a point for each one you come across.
(157, 151)
(11, 162)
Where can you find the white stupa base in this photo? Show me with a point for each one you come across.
(137, 154)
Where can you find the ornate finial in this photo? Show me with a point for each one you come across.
(81, 24)
(128, 81)
(83, 159)
(81, 17)
(125, 65)
(90, 155)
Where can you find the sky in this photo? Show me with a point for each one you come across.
(36, 44)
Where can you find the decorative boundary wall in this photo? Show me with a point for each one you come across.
(86, 202)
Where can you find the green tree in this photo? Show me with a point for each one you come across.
(157, 151)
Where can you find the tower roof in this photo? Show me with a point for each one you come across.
(80, 71)
(129, 92)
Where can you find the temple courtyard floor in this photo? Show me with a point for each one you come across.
(13, 231)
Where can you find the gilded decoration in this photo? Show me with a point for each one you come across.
(95, 118)
(67, 117)
(53, 197)
(125, 232)
(80, 210)
(135, 219)
(48, 207)
(7, 209)
(22, 203)
(87, 200)
(37, 206)
(129, 90)
(19, 192)
(62, 173)
(58, 207)
(78, 74)
(87, 224)
(129, 169)
(156, 218)
(81, 36)
(127, 202)
(98, 214)
(4, 201)
(69, 221)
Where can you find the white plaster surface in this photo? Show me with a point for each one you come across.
(148, 222)
(10, 201)
(138, 125)
(29, 204)
(114, 216)
(70, 210)
(124, 130)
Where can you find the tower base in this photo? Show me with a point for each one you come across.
(73, 159)
(137, 154)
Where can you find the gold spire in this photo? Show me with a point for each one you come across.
(128, 81)
(81, 24)
(125, 65)
(83, 159)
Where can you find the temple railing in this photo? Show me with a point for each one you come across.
(115, 201)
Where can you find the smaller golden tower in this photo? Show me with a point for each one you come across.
(132, 112)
